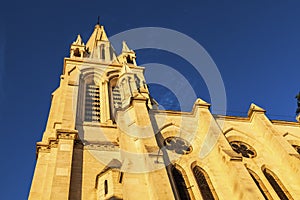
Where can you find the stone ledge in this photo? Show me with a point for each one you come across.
(66, 134)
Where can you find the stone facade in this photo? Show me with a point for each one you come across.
(106, 139)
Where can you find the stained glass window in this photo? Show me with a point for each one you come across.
(277, 185)
(259, 184)
(180, 184)
(203, 183)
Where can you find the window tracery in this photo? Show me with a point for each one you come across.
(204, 184)
(178, 145)
(180, 184)
(277, 185)
(244, 149)
(260, 184)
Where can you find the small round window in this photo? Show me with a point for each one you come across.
(244, 149)
(178, 145)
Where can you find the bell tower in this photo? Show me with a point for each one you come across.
(94, 145)
(106, 139)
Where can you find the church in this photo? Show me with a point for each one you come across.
(106, 138)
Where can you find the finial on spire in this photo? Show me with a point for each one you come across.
(98, 21)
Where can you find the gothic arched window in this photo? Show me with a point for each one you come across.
(277, 185)
(102, 51)
(105, 187)
(92, 102)
(115, 97)
(180, 184)
(262, 188)
(204, 184)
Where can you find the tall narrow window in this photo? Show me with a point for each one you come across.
(115, 97)
(102, 51)
(92, 103)
(277, 185)
(105, 187)
(180, 184)
(260, 185)
(204, 184)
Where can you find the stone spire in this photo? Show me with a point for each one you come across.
(125, 48)
(97, 36)
(98, 46)
(127, 56)
(77, 49)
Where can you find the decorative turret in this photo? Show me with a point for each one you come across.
(127, 85)
(77, 48)
(97, 47)
(127, 56)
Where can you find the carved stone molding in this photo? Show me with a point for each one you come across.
(66, 134)
(104, 146)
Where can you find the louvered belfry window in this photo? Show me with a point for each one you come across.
(116, 97)
(92, 103)
(203, 183)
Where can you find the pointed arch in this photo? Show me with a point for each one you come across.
(173, 129)
(102, 51)
(180, 183)
(92, 102)
(165, 126)
(276, 184)
(114, 96)
(204, 184)
(89, 98)
(262, 188)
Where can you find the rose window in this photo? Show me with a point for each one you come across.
(244, 149)
(177, 145)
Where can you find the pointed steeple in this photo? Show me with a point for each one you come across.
(98, 46)
(127, 56)
(77, 49)
(125, 48)
(97, 36)
(78, 41)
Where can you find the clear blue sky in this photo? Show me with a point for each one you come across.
(255, 44)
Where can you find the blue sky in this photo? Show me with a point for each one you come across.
(255, 45)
